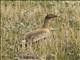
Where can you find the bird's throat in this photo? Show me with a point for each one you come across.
(46, 23)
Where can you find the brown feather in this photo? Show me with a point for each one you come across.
(37, 35)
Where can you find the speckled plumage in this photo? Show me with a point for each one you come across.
(37, 35)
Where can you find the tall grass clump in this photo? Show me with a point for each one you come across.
(20, 17)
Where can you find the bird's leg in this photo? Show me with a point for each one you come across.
(37, 44)
(30, 49)
(23, 48)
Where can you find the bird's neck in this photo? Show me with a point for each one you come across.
(45, 25)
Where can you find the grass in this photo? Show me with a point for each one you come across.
(20, 17)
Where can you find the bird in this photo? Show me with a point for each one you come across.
(41, 33)
(38, 34)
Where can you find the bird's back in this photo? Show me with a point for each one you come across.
(37, 35)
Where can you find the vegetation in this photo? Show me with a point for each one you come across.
(20, 17)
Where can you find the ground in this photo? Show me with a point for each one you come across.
(20, 17)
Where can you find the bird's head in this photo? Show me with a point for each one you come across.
(49, 16)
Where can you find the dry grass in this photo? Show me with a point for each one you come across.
(19, 17)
